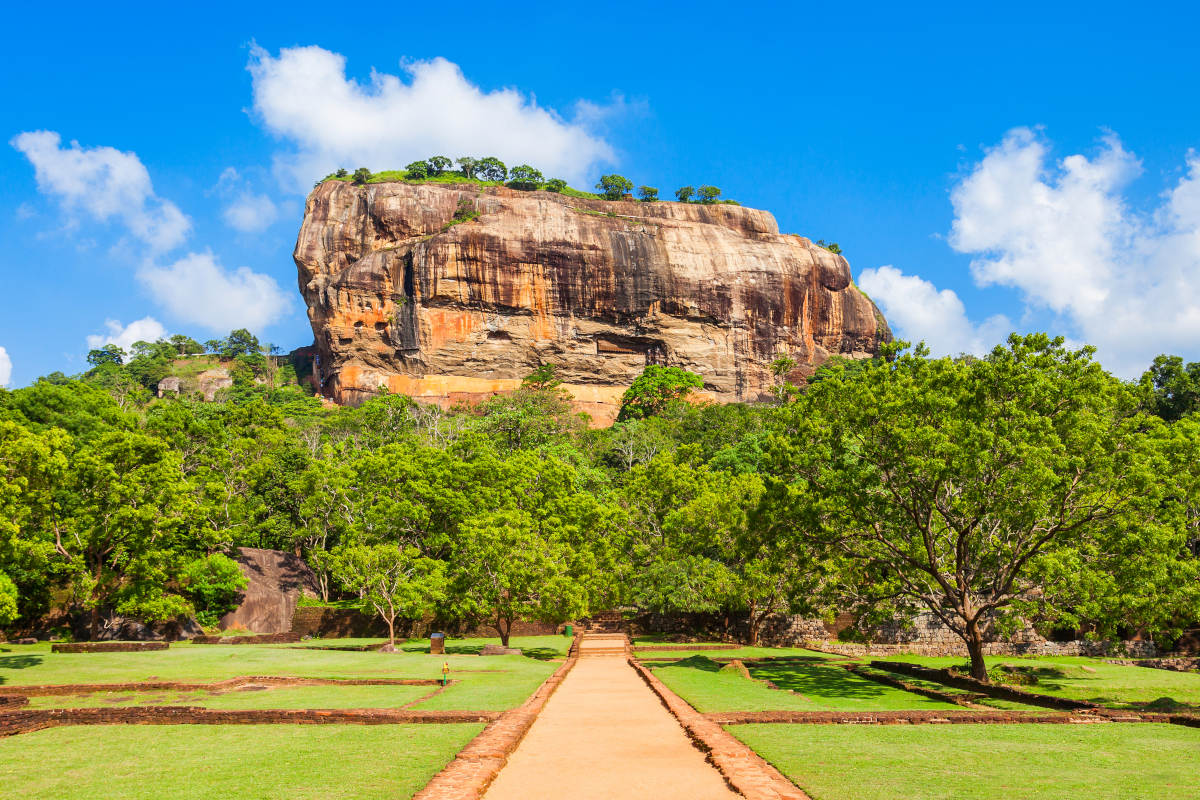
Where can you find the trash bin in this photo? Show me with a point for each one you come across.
(437, 643)
(568, 630)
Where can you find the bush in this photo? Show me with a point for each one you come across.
(556, 185)
(212, 584)
(708, 194)
(341, 173)
(361, 176)
(832, 247)
(524, 177)
(648, 194)
(684, 194)
(614, 187)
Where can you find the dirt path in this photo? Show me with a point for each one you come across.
(604, 734)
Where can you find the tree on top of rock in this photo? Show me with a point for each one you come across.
(614, 187)
(656, 389)
(524, 177)
(491, 169)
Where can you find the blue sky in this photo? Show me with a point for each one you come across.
(1029, 167)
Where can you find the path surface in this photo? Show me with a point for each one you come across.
(604, 734)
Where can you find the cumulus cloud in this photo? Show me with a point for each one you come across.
(5, 367)
(106, 184)
(303, 96)
(245, 210)
(1065, 236)
(197, 289)
(921, 313)
(146, 329)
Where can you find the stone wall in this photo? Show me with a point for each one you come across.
(106, 647)
(264, 638)
(1078, 647)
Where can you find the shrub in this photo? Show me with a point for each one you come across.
(341, 173)
(708, 194)
(648, 194)
(832, 247)
(614, 187)
(417, 171)
(556, 185)
(684, 194)
(212, 584)
(361, 176)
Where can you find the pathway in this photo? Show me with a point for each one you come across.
(604, 734)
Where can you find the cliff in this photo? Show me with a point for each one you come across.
(453, 293)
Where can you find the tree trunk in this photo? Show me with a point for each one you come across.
(753, 621)
(391, 621)
(974, 639)
(503, 627)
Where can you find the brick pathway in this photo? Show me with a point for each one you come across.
(604, 734)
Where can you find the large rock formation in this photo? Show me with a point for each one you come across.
(454, 293)
(276, 582)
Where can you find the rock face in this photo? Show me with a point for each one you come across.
(276, 582)
(453, 294)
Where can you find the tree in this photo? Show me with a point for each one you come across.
(468, 166)
(832, 247)
(556, 185)
(361, 176)
(1172, 387)
(393, 581)
(8, 600)
(491, 169)
(438, 165)
(185, 345)
(648, 194)
(417, 171)
(213, 346)
(614, 187)
(684, 193)
(240, 342)
(708, 194)
(108, 354)
(655, 389)
(524, 177)
(981, 490)
(213, 584)
(781, 367)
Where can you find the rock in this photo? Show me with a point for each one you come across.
(170, 385)
(399, 296)
(497, 650)
(277, 580)
(26, 640)
(211, 381)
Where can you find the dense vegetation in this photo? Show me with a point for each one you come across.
(1028, 484)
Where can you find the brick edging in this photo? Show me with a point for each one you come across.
(745, 771)
(472, 771)
(60, 689)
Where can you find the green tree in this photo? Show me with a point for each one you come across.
(780, 368)
(977, 489)
(361, 176)
(614, 187)
(108, 354)
(524, 177)
(417, 171)
(647, 194)
(684, 193)
(556, 185)
(185, 345)
(393, 581)
(832, 247)
(1172, 387)
(341, 173)
(708, 194)
(491, 169)
(468, 166)
(438, 165)
(240, 342)
(655, 389)
(8, 600)
(213, 584)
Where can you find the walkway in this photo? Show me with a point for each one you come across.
(604, 734)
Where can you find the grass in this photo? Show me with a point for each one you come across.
(744, 653)
(982, 762)
(1095, 680)
(299, 762)
(273, 697)
(813, 686)
(494, 683)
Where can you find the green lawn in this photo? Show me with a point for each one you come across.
(273, 697)
(297, 762)
(983, 762)
(1096, 681)
(491, 683)
(672, 650)
(814, 687)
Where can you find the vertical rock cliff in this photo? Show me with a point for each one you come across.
(454, 293)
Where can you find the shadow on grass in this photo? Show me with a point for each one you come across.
(818, 681)
(18, 662)
(537, 653)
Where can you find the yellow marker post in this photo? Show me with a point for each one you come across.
(445, 672)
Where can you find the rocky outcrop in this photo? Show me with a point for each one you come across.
(276, 582)
(454, 293)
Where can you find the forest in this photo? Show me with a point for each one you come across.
(1028, 485)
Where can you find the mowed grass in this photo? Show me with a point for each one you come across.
(655, 648)
(249, 762)
(248, 698)
(983, 762)
(491, 683)
(814, 686)
(1095, 680)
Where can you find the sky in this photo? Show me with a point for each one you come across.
(985, 169)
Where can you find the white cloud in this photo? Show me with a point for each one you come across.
(304, 96)
(197, 289)
(5, 367)
(920, 313)
(146, 329)
(251, 213)
(1065, 236)
(104, 183)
